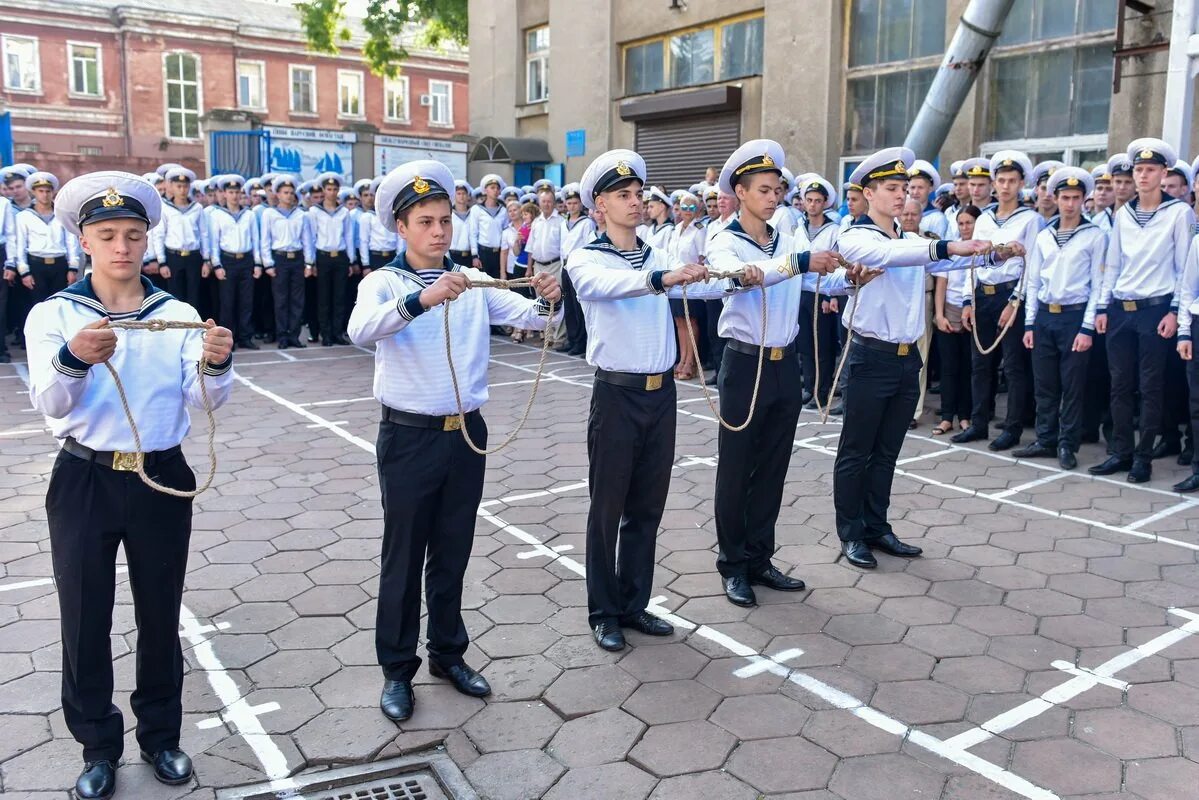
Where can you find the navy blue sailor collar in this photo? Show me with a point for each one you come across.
(603, 244)
(865, 221)
(82, 293)
(400, 266)
(735, 229)
(1165, 202)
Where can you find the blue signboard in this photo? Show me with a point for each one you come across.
(576, 142)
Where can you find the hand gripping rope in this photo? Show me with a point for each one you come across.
(979, 261)
(158, 325)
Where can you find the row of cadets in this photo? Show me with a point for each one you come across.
(578, 229)
(998, 293)
(47, 255)
(430, 481)
(752, 464)
(884, 363)
(8, 242)
(784, 218)
(181, 241)
(820, 231)
(656, 232)
(923, 179)
(461, 247)
(287, 252)
(687, 245)
(234, 252)
(487, 222)
(545, 251)
(95, 503)
(727, 208)
(377, 245)
(334, 240)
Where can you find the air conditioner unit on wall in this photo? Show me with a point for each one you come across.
(426, 99)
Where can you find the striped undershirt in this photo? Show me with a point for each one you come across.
(1143, 217)
(1064, 236)
(430, 275)
(635, 257)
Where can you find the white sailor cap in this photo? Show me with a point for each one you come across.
(253, 184)
(1044, 169)
(199, 185)
(659, 194)
(163, 169)
(491, 178)
(1183, 169)
(543, 185)
(152, 177)
(527, 197)
(572, 191)
(477, 192)
(464, 185)
(1151, 151)
(284, 179)
(976, 168)
(359, 185)
(920, 167)
(814, 183)
(180, 174)
(17, 171)
(957, 169)
(1070, 178)
(1012, 159)
(230, 181)
(98, 196)
(677, 195)
(1101, 173)
(697, 189)
(509, 191)
(1119, 164)
(304, 188)
(791, 194)
(345, 193)
(758, 155)
(409, 184)
(787, 177)
(608, 171)
(944, 189)
(711, 192)
(329, 178)
(268, 178)
(886, 164)
(526, 189)
(36, 179)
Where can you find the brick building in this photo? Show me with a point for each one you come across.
(219, 84)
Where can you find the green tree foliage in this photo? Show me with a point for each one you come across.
(325, 26)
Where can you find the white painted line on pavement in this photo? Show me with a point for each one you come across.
(1024, 487)
(35, 582)
(286, 356)
(922, 457)
(515, 498)
(1160, 515)
(320, 422)
(335, 402)
(24, 432)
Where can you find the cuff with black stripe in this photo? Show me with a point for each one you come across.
(1182, 337)
(68, 364)
(1089, 330)
(654, 282)
(410, 307)
(543, 307)
(938, 250)
(216, 370)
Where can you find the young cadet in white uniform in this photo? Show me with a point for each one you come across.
(182, 239)
(333, 237)
(94, 503)
(998, 292)
(462, 245)
(47, 255)
(577, 230)
(657, 231)
(233, 246)
(883, 363)
(487, 222)
(1065, 277)
(287, 252)
(1138, 309)
(430, 480)
(923, 179)
(753, 463)
(7, 247)
(377, 246)
(1188, 306)
(819, 231)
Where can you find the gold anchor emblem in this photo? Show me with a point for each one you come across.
(1146, 154)
(112, 198)
(420, 186)
(623, 169)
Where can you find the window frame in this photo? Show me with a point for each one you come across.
(388, 83)
(449, 106)
(261, 64)
(909, 59)
(541, 58)
(361, 78)
(292, 69)
(166, 97)
(72, 90)
(877, 76)
(37, 63)
(716, 26)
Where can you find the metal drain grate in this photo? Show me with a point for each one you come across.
(427, 777)
(408, 789)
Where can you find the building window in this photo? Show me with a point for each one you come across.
(723, 51)
(251, 84)
(84, 61)
(643, 68)
(537, 65)
(1059, 92)
(883, 107)
(1037, 20)
(22, 72)
(90, 150)
(27, 147)
(395, 99)
(741, 45)
(303, 89)
(441, 103)
(692, 58)
(349, 93)
(183, 95)
(884, 31)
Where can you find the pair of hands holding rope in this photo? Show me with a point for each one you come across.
(823, 262)
(451, 284)
(977, 248)
(97, 342)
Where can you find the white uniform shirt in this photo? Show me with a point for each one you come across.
(575, 234)
(332, 231)
(1144, 262)
(545, 238)
(462, 241)
(687, 244)
(411, 371)
(818, 239)
(158, 370)
(658, 235)
(39, 237)
(508, 244)
(182, 229)
(286, 230)
(1021, 226)
(7, 233)
(373, 236)
(714, 227)
(951, 223)
(1066, 275)
(232, 233)
(1103, 219)
(933, 220)
(486, 226)
(1188, 305)
(784, 220)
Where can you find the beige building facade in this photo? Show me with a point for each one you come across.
(553, 83)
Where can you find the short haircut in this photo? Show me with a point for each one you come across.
(403, 215)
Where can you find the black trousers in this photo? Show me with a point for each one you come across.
(3, 304)
(431, 484)
(630, 451)
(572, 312)
(1096, 402)
(880, 397)
(1192, 370)
(1136, 355)
(987, 308)
(312, 316)
(826, 332)
(332, 275)
(752, 467)
(264, 305)
(714, 308)
(91, 510)
(48, 278)
(461, 258)
(1176, 403)
(380, 259)
(955, 351)
(237, 296)
(184, 282)
(1059, 377)
(288, 288)
(489, 257)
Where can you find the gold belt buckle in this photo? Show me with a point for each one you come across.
(127, 462)
(333, 253)
(988, 289)
(48, 260)
(903, 349)
(1055, 308)
(653, 383)
(1130, 305)
(184, 253)
(776, 354)
(453, 423)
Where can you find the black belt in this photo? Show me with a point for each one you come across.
(537, 263)
(182, 253)
(1149, 302)
(227, 256)
(439, 423)
(995, 288)
(332, 253)
(772, 353)
(636, 380)
(1058, 308)
(460, 253)
(891, 348)
(121, 462)
(383, 253)
(290, 255)
(47, 259)
(489, 249)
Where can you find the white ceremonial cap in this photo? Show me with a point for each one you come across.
(36, 179)
(788, 177)
(180, 174)
(944, 189)
(543, 185)
(1070, 178)
(976, 168)
(284, 179)
(609, 170)
(409, 184)
(1101, 173)
(571, 190)
(99, 196)
(229, 181)
(1184, 169)
(890, 162)
(922, 167)
(152, 177)
(814, 183)
(1119, 164)
(326, 178)
(490, 178)
(461, 184)
(1044, 169)
(1012, 159)
(957, 169)
(758, 155)
(1151, 151)
(659, 194)
(345, 193)
(18, 170)
(163, 169)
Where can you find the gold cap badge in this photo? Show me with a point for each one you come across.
(623, 169)
(1146, 154)
(1007, 162)
(420, 186)
(899, 165)
(112, 198)
(767, 161)
(1071, 181)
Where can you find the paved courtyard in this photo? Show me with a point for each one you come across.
(1044, 646)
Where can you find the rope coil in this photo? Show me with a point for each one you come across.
(980, 261)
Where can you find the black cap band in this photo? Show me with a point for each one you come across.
(420, 189)
(617, 176)
(112, 206)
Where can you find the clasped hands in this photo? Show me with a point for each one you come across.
(451, 284)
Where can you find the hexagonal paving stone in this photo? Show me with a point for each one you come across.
(309, 633)
(704, 785)
(515, 608)
(1125, 733)
(622, 781)
(860, 629)
(589, 689)
(663, 662)
(885, 777)
(671, 701)
(505, 641)
(514, 775)
(1066, 767)
(844, 734)
(1163, 778)
(760, 716)
(659, 752)
(293, 668)
(512, 726)
(599, 738)
(1175, 703)
(521, 678)
(344, 734)
(329, 600)
(979, 675)
(891, 662)
(920, 702)
(782, 765)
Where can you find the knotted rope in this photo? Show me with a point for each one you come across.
(159, 325)
(823, 410)
(980, 261)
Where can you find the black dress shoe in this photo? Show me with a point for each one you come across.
(609, 636)
(1035, 450)
(326, 342)
(713, 380)
(1190, 484)
(739, 592)
(647, 623)
(858, 553)
(1166, 448)
(5, 358)
(248, 344)
(806, 397)
(837, 410)
(171, 767)
(97, 781)
(974, 433)
(1184, 458)
(269, 338)
(463, 678)
(1141, 471)
(397, 701)
(283, 344)
(298, 343)
(772, 578)
(1004, 441)
(1113, 465)
(810, 405)
(340, 339)
(889, 543)
(1066, 458)
(313, 338)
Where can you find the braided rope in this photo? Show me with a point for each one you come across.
(978, 261)
(824, 410)
(158, 325)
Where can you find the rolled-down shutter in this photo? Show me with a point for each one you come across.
(677, 151)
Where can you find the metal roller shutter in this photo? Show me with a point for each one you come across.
(677, 151)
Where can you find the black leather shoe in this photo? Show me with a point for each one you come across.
(1189, 485)
(609, 636)
(340, 339)
(889, 543)
(647, 623)
(712, 381)
(858, 553)
(837, 410)
(972, 434)
(397, 701)
(171, 767)
(1141, 471)
(1035, 450)
(772, 578)
(97, 781)
(326, 342)
(1113, 465)
(739, 592)
(283, 344)
(1166, 448)
(464, 679)
(313, 339)
(1066, 458)
(298, 343)
(1186, 457)
(805, 398)
(1004, 441)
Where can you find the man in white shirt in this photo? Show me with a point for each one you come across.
(577, 231)
(233, 231)
(545, 250)
(287, 252)
(488, 220)
(333, 238)
(183, 238)
(47, 256)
